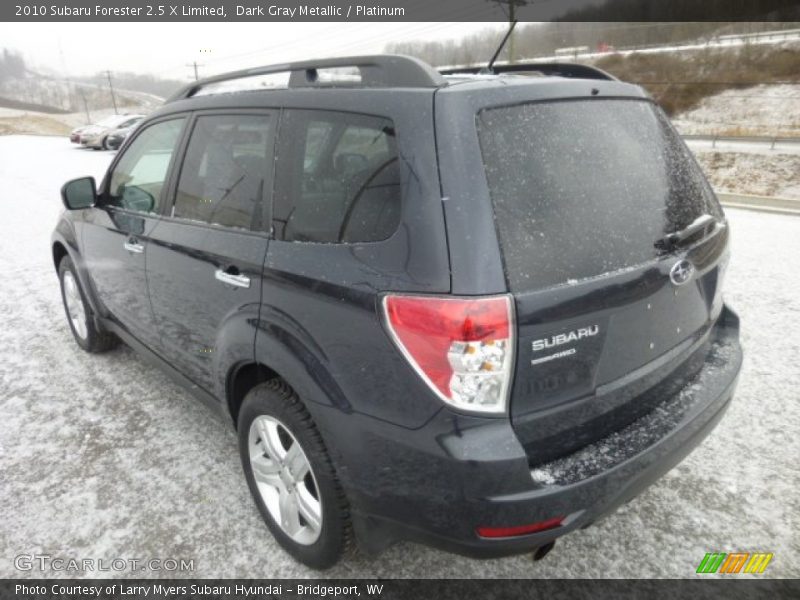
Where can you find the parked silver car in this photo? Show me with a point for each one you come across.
(96, 136)
(115, 138)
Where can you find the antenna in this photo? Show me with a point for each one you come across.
(501, 46)
(512, 17)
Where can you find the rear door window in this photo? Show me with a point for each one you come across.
(586, 187)
(338, 178)
(226, 171)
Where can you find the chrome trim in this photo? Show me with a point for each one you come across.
(237, 280)
(134, 247)
(681, 272)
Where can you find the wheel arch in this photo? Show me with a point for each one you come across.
(63, 245)
(59, 252)
(279, 353)
(241, 379)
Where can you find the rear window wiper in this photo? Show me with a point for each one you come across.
(704, 223)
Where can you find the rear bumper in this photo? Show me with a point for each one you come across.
(438, 484)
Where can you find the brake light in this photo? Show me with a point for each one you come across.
(501, 532)
(461, 347)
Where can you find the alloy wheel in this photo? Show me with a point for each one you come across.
(75, 308)
(285, 479)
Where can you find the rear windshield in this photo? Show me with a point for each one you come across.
(585, 187)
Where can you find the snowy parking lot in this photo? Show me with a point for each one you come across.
(102, 456)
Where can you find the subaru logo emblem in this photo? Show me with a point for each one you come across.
(681, 272)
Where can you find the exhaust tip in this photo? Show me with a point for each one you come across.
(543, 551)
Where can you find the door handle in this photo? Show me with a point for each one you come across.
(133, 246)
(232, 278)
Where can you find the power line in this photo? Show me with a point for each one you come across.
(335, 31)
(322, 35)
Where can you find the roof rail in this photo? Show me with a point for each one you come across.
(386, 70)
(571, 70)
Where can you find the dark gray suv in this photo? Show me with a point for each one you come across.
(473, 310)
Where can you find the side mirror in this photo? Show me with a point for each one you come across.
(135, 198)
(79, 193)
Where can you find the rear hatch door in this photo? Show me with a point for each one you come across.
(612, 243)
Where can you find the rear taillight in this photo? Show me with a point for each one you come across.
(462, 347)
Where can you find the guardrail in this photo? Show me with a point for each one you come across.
(787, 206)
(705, 42)
(772, 141)
(779, 34)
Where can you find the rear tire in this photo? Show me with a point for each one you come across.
(79, 314)
(297, 494)
(104, 143)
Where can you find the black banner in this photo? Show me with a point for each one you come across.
(393, 589)
(400, 10)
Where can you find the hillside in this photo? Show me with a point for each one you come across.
(61, 95)
(18, 121)
(679, 80)
(776, 175)
(51, 103)
(763, 110)
(13, 121)
(767, 110)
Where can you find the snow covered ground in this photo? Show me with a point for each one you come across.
(764, 110)
(758, 174)
(104, 457)
(748, 167)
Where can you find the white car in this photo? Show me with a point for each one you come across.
(75, 134)
(94, 136)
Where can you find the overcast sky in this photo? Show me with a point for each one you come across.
(164, 49)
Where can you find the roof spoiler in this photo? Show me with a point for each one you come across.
(386, 70)
(570, 70)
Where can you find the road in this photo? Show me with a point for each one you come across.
(104, 457)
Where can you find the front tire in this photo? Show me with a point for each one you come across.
(291, 477)
(79, 315)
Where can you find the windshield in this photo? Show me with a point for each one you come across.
(585, 187)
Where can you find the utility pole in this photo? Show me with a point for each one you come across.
(195, 65)
(85, 105)
(111, 87)
(512, 17)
